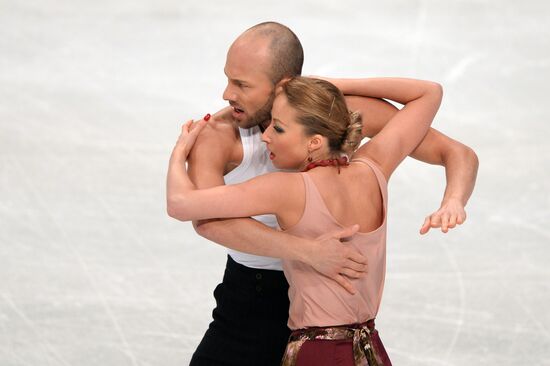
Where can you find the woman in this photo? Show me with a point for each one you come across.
(310, 128)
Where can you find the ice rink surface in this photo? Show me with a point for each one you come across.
(92, 95)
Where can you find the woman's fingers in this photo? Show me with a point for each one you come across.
(185, 128)
(189, 132)
(199, 126)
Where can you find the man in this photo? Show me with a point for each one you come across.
(249, 326)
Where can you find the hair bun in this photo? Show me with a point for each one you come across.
(353, 135)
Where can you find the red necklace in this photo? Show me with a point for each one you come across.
(343, 161)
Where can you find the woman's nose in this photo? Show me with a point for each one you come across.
(265, 135)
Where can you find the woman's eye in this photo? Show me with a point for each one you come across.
(278, 129)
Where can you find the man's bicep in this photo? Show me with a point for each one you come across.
(205, 167)
(207, 160)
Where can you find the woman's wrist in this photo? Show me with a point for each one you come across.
(178, 156)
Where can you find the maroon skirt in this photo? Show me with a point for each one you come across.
(343, 345)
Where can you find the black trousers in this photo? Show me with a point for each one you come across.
(249, 326)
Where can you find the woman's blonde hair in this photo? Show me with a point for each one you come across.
(321, 109)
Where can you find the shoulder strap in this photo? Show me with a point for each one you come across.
(382, 182)
(314, 200)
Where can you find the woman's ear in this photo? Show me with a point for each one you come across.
(315, 143)
(279, 86)
(282, 82)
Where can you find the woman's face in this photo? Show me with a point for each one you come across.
(285, 138)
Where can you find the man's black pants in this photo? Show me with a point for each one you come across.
(249, 326)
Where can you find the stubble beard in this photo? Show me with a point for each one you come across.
(262, 115)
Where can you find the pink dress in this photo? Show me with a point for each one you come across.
(317, 301)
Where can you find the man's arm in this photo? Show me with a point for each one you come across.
(216, 148)
(461, 165)
(460, 161)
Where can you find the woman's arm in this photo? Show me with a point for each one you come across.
(406, 129)
(269, 193)
(265, 194)
(460, 161)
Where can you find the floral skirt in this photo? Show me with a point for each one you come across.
(352, 344)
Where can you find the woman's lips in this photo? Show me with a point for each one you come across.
(271, 156)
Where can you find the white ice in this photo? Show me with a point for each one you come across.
(92, 95)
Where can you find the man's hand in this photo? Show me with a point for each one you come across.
(337, 260)
(450, 214)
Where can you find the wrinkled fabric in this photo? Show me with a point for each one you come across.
(367, 347)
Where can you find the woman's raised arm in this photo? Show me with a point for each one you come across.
(402, 134)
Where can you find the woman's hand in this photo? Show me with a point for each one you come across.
(450, 214)
(189, 132)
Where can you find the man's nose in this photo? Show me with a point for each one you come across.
(228, 93)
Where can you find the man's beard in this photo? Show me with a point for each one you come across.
(262, 115)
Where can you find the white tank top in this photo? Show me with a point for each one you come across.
(255, 162)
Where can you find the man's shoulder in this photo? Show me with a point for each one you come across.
(220, 130)
(218, 143)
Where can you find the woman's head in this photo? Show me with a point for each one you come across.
(310, 120)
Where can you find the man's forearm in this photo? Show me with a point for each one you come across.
(250, 236)
(460, 163)
(461, 166)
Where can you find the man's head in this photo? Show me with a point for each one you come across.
(257, 63)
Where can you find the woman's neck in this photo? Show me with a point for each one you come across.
(336, 162)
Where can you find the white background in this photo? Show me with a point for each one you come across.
(92, 95)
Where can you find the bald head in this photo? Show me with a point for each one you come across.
(283, 47)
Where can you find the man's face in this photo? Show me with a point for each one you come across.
(249, 89)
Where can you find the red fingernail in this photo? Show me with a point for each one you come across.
(207, 117)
